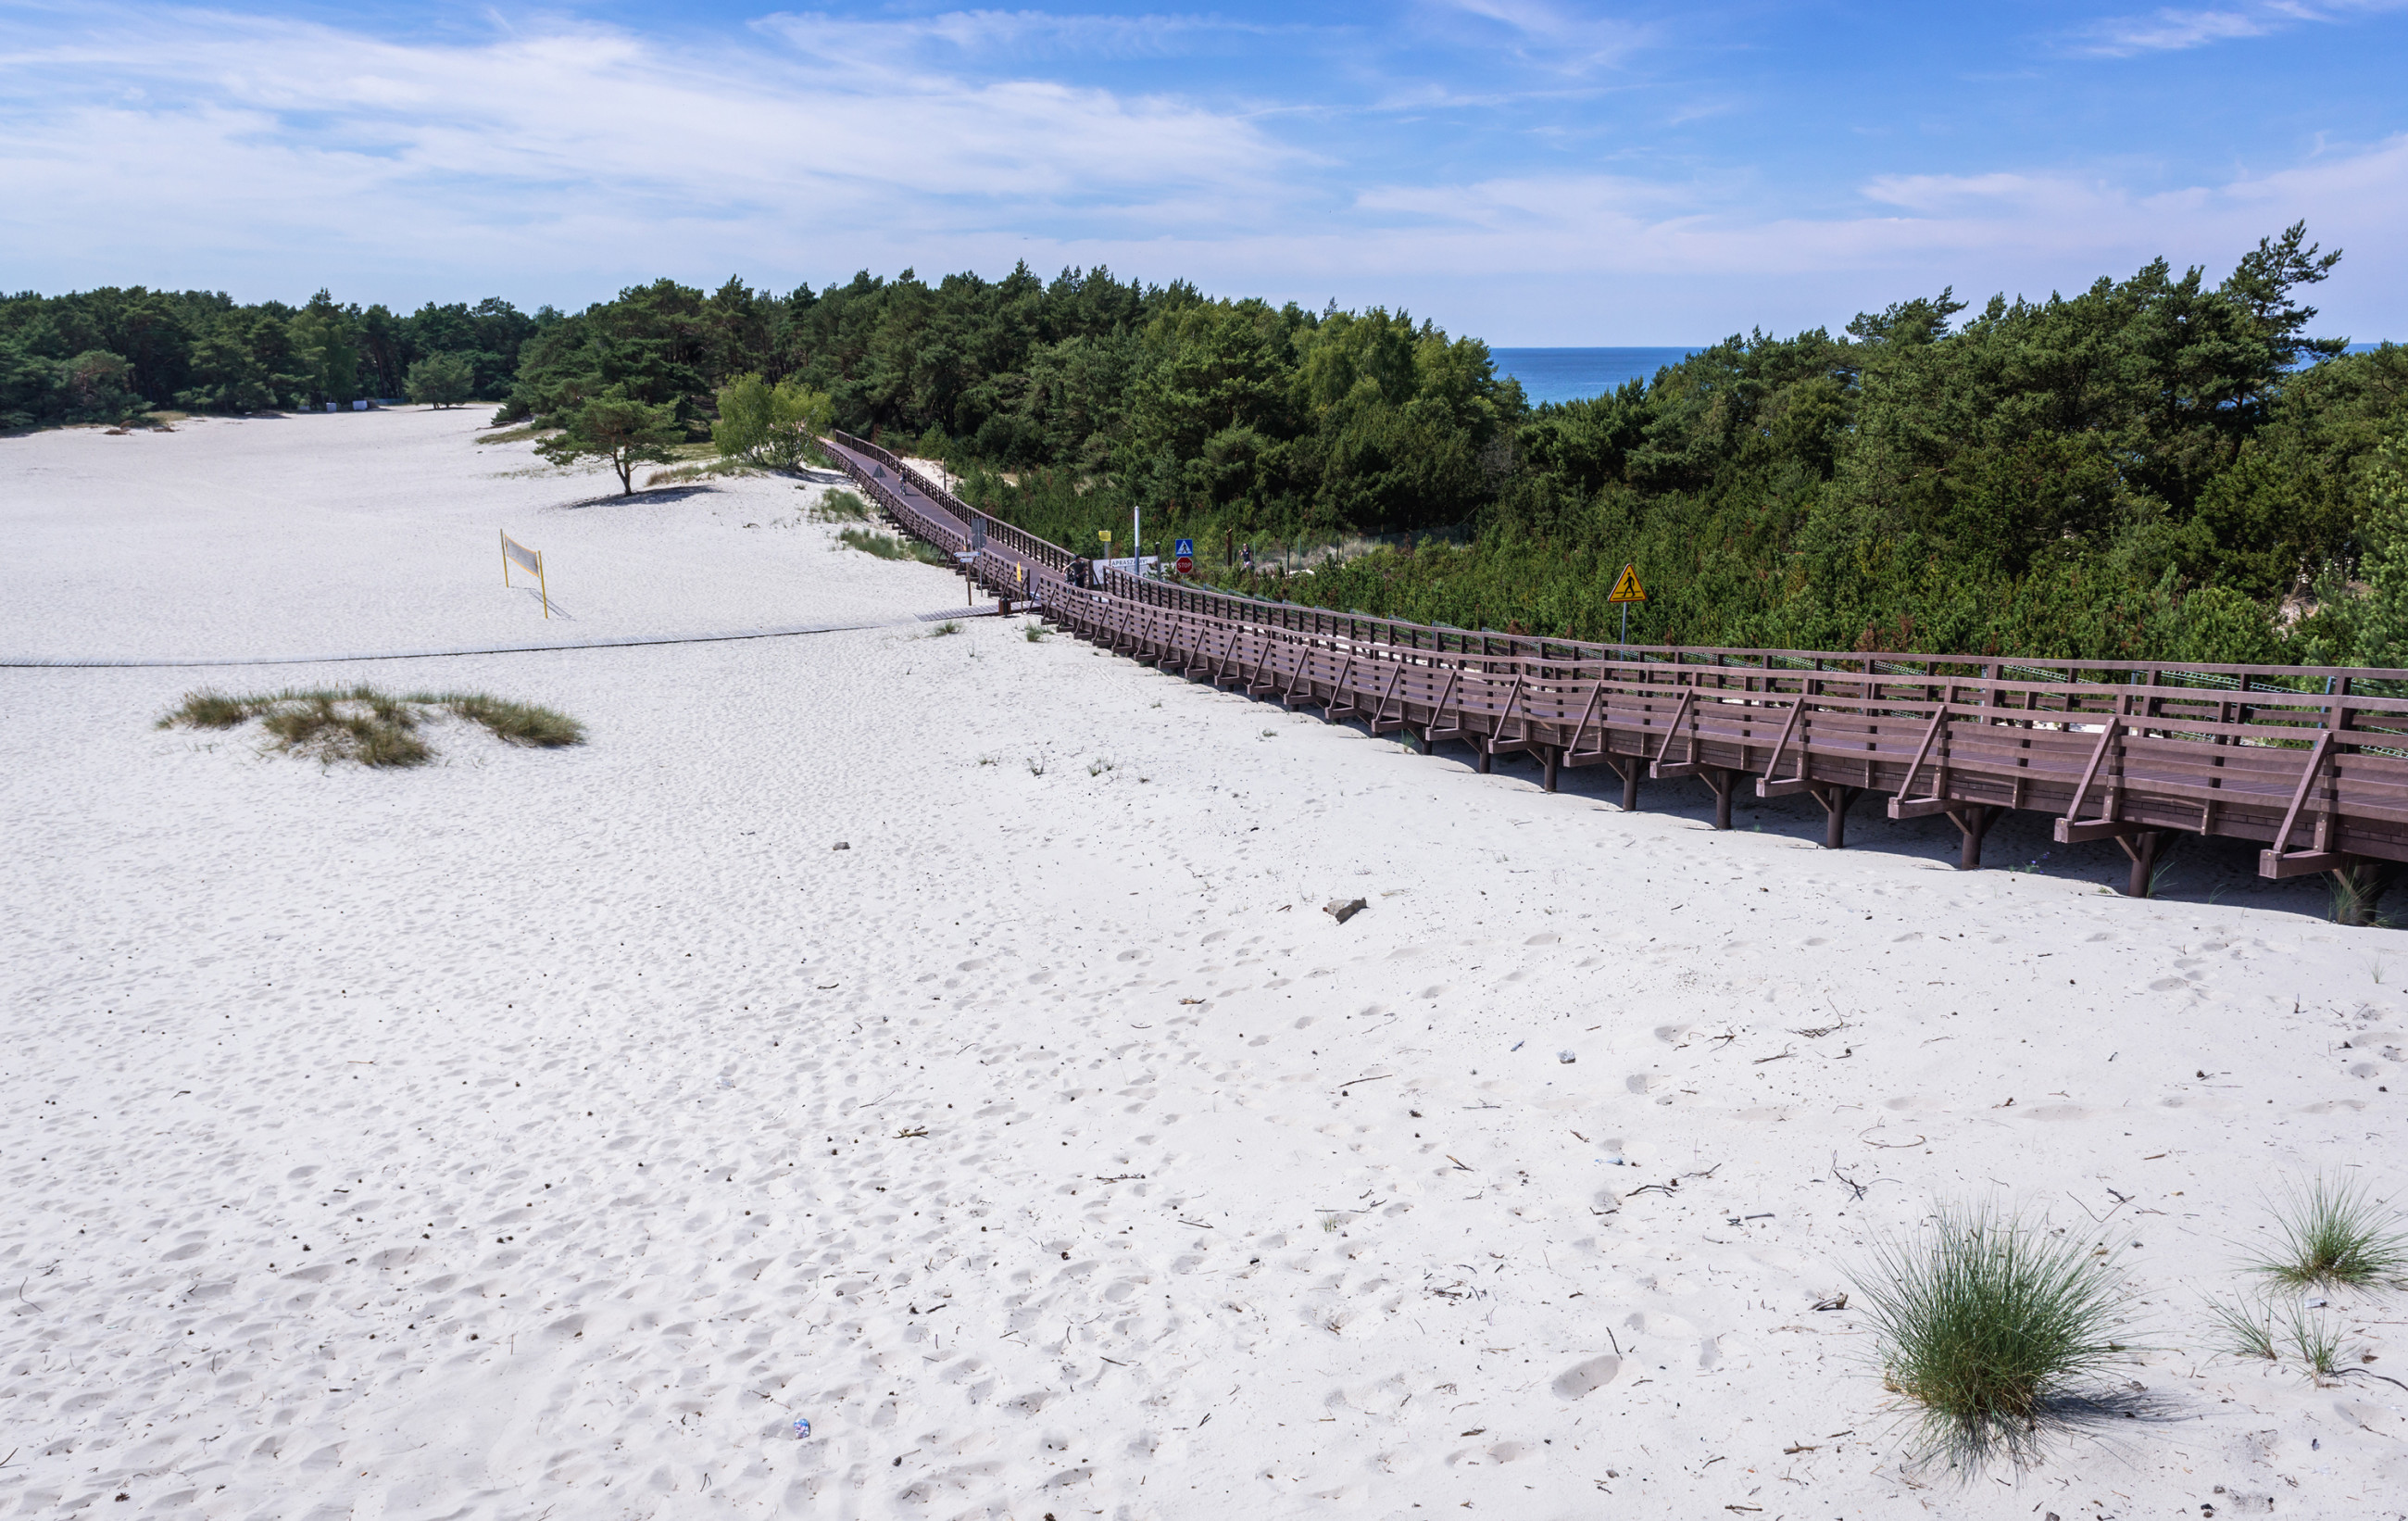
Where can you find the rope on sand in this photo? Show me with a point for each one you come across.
(80, 661)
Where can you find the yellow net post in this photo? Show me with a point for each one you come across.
(528, 560)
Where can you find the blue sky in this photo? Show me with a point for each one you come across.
(1529, 172)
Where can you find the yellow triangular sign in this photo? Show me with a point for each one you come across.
(1628, 589)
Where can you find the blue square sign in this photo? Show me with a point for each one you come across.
(1186, 547)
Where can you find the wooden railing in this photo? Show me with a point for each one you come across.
(2311, 763)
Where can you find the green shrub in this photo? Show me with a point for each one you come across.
(776, 425)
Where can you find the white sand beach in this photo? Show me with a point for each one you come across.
(939, 1038)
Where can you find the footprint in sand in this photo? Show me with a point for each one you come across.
(1583, 1378)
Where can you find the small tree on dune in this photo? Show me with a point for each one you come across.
(440, 380)
(618, 429)
(777, 425)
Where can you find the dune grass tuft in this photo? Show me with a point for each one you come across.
(2317, 1341)
(842, 506)
(372, 727)
(1994, 1326)
(888, 547)
(524, 723)
(2243, 1326)
(678, 475)
(2335, 1235)
(514, 435)
(2356, 890)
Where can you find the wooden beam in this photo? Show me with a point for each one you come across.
(2278, 865)
(1768, 785)
(2071, 833)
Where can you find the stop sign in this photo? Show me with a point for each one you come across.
(1186, 563)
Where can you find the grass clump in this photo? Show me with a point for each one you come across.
(2334, 1235)
(515, 436)
(1995, 1326)
(372, 727)
(948, 627)
(840, 506)
(888, 547)
(2354, 893)
(681, 474)
(527, 725)
(2317, 1342)
(2243, 1327)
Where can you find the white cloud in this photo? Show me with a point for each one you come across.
(213, 132)
(1557, 36)
(2168, 31)
(989, 35)
(556, 163)
(2177, 31)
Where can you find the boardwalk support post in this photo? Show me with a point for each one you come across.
(1627, 767)
(2141, 846)
(1972, 821)
(1720, 781)
(1836, 802)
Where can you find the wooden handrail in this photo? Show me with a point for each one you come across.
(2189, 756)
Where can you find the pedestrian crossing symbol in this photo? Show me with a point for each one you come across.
(1628, 589)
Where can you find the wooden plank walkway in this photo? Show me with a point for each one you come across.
(2310, 762)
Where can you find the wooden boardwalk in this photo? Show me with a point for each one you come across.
(2309, 763)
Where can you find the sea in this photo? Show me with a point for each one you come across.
(1577, 374)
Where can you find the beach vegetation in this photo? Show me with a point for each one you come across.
(2051, 477)
(367, 725)
(890, 547)
(2315, 1338)
(518, 434)
(617, 429)
(440, 380)
(112, 355)
(776, 425)
(842, 506)
(2355, 891)
(2243, 1326)
(1995, 1328)
(2332, 1233)
(678, 475)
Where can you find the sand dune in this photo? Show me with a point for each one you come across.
(544, 1133)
